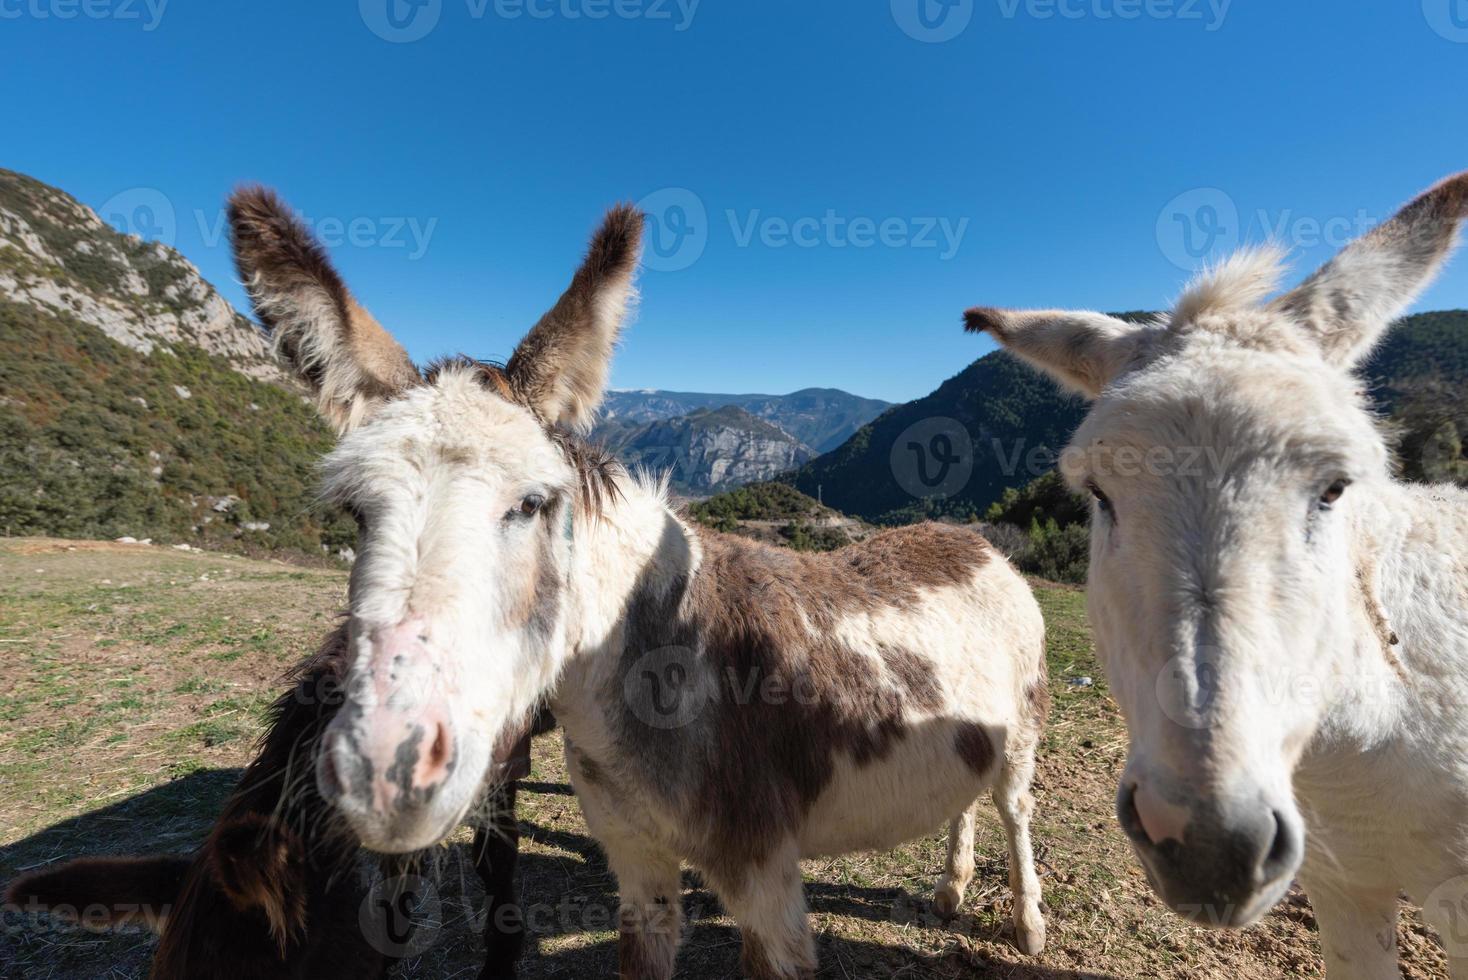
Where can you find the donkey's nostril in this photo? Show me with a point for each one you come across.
(438, 753)
(436, 760)
(1131, 820)
(1284, 852)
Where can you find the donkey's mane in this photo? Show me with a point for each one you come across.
(598, 473)
(1241, 281)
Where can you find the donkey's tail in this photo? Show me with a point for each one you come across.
(100, 893)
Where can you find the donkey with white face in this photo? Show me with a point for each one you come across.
(726, 704)
(1285, 626)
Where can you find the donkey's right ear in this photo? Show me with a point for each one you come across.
(349, 361)
(1083, 351)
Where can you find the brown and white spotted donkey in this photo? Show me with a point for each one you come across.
(726, 704)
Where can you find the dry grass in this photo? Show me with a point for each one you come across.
(131, 685)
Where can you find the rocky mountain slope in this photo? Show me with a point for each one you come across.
(135, 401)
(821, 418)
(57, 255)
(707, 450)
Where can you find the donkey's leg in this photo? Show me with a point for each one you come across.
(1358, 930)
(650, 883)
(769, 906)
(1012, 797)
(959, 873)
(496, 855)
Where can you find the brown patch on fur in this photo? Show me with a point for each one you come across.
(260, 865)
(103, 892)
(788, 695)
(320, 329)
(588, 767)
(985, 319)
(647, 941)
(915, 674)
(1037, 697)
(975, 748)
(1450, 197)
(560, 368)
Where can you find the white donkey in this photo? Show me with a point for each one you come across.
(1284, 625)
(727, 704)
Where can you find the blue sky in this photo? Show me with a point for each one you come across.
(834, 181)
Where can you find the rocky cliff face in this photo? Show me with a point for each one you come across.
(56, 254)
(821, 418)
(707, 450)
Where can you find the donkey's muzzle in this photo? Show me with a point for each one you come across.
(1224, 865)
(391, 751)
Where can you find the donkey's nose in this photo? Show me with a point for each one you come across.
(1221, 862)
(387, 766)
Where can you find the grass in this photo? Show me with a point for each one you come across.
(132, 681)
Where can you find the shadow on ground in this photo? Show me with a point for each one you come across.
(569, 902)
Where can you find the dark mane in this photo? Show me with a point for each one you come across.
(598, 473)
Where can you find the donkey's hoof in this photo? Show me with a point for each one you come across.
(1029, 932)
(946, 901)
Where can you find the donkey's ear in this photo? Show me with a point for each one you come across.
(1083, 351)
(560, 368)
(333, 344)
(1349, 303)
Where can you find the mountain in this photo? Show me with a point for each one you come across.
(821, 418)
(707, 450)
(57, 255)
(998, 424)
(135, 401)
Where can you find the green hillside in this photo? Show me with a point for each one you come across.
(1007, 412)
(99, 441)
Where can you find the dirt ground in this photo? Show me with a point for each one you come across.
(132, 685)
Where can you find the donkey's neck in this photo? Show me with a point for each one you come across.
(636, 545)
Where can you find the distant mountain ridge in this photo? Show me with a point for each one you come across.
(820, 418)
(707, 450)
(1006, 421)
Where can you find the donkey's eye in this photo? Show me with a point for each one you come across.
(531, 505)
(1333, 493)
(1102, 501)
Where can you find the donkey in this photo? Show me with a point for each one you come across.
(1286, 627)
(274, 892)
(730, 705)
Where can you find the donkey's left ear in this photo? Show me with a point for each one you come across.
(1082, 350)
(560, 368)
(1350, 302)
